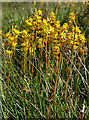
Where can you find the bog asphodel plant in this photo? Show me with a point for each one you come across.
(11, 37)
(37, 29)
(47, 34)
(50, 38)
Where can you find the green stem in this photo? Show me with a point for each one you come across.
(8, 85)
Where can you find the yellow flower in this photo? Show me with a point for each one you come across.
(59, 3)
(56, 50)
(16, 31)
(77, 29)
(65, 2)
(11, 38)
(31, 50)
(45, 22)
(35, 23)
(24, 33)
(40, 43)
(28, 23)
(14, 44)
(9, 52)
(82, 38)
(34, 4)
(51, 29)
(40, 12)
(52, 14)
(30, 19)
(0, 32)
(63, 35)
(38, 17)
(57, 24)
(71, 42)
(70, 21)
(75, 47)
(72, 16)
(55, 41)
(23, 44)
(65, 25)
(16, 36)
(83, 3)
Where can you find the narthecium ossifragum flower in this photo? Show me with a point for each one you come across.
(39, 29)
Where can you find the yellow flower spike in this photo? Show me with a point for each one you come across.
(65, 26)
(40, 43)
(59, 3)
(24, 32)
(23, 44)
(59, 44)
(15, 37)
(27, 39)
(14, 44)
(56, 35)
(32, 28)
(30, 19)
(71, 42)
(37, 38)
(16, 31)
(63, 35)
(34, 4)
(72, 13)
(38, 17)
(39, 21)
(31, 50)
(45, 21)
(9, 52)
(82, 38)
(32, 37)
(56, 50)
(40, 40)
(83, 51)
(11, 38)
(28, 23)
(48, 20)
(55, 41)
(52, 14)
(0, 32)
(75, 47)
(51, 29)
(65, 2)
(15, 26)
(57, 24)
(40, 12)
(76, 36)
(70, 21)
(35, 10)
(83, 3)
(77, 29)
(35, 23)
(71, 16)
